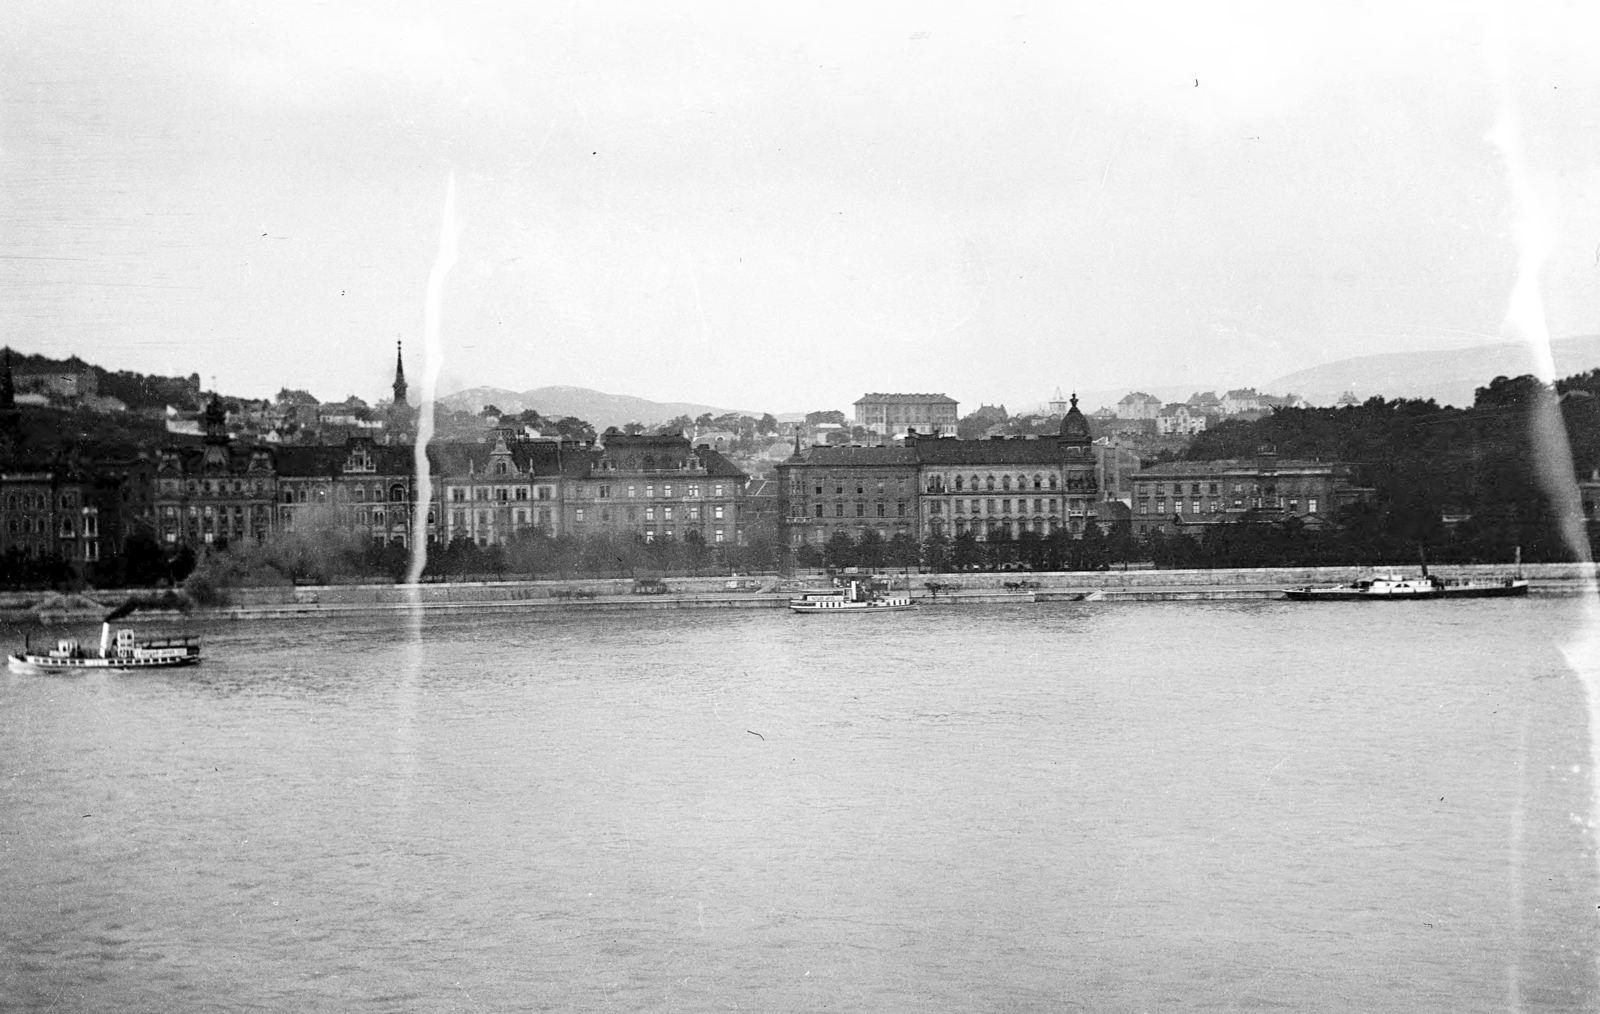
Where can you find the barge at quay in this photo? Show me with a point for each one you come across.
(1393, 587)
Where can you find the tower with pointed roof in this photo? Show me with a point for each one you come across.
(399, 376)
(402, 418)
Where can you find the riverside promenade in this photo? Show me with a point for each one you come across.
(765, 592)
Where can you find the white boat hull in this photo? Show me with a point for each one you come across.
(41, 665)
(1409, 590)
(841, 605)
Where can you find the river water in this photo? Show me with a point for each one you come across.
(1095, 807)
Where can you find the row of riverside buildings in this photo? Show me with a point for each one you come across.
(488, 493)
(931, 486)
(925, 484)
(218, 490)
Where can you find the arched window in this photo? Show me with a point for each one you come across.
(1038, 481)
(1052, 482)
(959, 482)
(989, 482)
(1005, 482)
(361, 494)
(499, 468)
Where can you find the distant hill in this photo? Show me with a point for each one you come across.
(594, 407)
(1448, 377)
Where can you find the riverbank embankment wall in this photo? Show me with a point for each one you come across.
(766, 592)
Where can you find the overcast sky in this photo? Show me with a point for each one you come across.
(780, 209)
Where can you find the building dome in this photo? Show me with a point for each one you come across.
(1074, 427)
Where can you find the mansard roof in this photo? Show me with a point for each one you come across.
(946, 451)
(198, 459)
(994, 452)
(328, 460)
(846, 455)
(529, 457)
(874, 398)
(1226, 466)
(717, 466)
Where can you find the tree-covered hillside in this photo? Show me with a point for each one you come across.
(1462, 482)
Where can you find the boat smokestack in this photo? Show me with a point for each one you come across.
(105, 639)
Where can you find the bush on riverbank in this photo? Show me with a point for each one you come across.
(317, 552)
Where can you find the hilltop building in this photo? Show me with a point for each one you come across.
(1177, 419)
(892, 415)
(1138, 405)
(1244, 399)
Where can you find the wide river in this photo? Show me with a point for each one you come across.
(1096, 807)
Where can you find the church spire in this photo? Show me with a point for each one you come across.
(399, 376)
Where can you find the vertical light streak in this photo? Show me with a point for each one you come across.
(411, 669)
(1525, 317)
(1514, 873)
(432, 358)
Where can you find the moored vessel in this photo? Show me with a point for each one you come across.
(854, 596)
(1390, 586)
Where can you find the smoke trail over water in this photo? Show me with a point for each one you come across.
(432, 356)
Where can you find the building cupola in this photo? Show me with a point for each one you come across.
(1074, 427)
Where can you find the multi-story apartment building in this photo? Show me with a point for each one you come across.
(216, 492)
(849, 489)
(956, 487)
(658, 487)
(59, 512)
(1041, 485)
(1179, 495)
(493, 493)
(364, 487)
(893, 415)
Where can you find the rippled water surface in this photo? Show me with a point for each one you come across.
(1047, 807)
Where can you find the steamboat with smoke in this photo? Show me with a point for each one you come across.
(117, 651)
